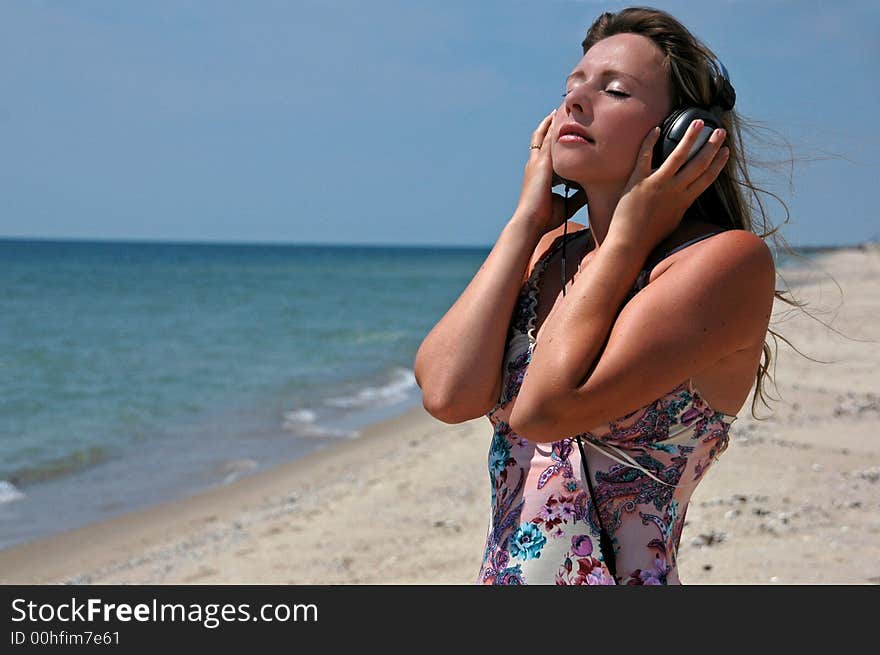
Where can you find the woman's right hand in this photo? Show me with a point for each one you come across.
(538, 204)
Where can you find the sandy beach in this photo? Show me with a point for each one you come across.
(793, 500)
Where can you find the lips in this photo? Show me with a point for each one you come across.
(574, 128)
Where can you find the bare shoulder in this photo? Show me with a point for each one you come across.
(735, 251)
(743, 251)
(733, 272)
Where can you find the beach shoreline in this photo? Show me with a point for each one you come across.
(794, 498)
(148, 536)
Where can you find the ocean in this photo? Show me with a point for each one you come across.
(136, 373)
(133, 373)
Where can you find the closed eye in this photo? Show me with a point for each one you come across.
(615, 94)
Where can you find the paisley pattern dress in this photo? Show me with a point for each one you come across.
(644, 467)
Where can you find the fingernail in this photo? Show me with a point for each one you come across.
(697, 124)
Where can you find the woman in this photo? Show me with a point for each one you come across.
(634, 366)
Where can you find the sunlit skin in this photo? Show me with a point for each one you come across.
(703, 316)
(618, 124)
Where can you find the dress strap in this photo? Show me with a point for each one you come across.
(653, 261)
(562, 239)
(626, 461)
(644, 274)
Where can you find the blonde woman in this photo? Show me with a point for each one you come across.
(610, 383)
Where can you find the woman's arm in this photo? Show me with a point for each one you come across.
(700, 310)
(458, 365)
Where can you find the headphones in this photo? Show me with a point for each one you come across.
(674, 126)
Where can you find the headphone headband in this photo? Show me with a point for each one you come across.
(724, 93)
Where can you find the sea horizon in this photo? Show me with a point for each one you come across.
(318, 244)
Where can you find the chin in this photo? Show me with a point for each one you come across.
(583, 168)
(572, 167)
(587, 172)
(578, 175)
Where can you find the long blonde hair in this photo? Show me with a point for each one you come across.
(691, 66)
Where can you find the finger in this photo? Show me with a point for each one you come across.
(538, 136)
(703, 159)
(704, 181)
(552, 124)
(646, 154)
(547, 137)
(679, 155)
(642, 168)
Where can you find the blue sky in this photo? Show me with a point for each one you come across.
(344, 122)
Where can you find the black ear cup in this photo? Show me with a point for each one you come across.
(676, 126)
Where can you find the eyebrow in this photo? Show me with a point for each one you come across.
(608, 72)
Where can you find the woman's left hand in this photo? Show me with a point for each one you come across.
(654, 200)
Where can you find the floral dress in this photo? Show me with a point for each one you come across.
(644, 467)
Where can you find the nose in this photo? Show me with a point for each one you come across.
(577, 100)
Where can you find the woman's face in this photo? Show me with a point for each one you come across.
(616, 109)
